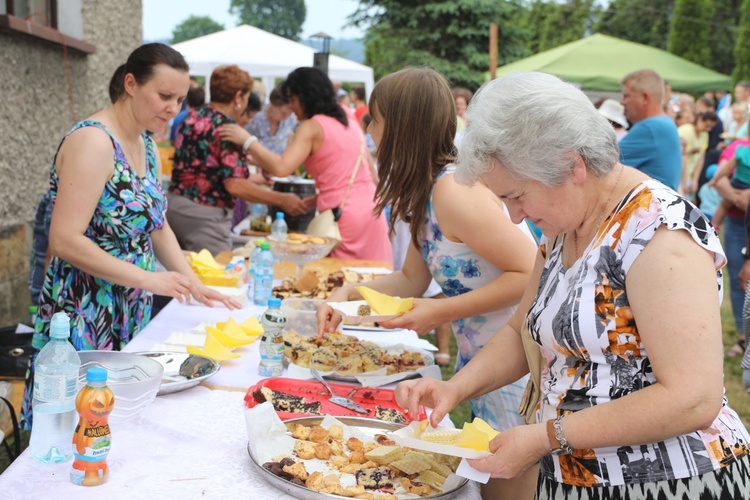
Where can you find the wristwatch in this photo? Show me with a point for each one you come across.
(555, 435)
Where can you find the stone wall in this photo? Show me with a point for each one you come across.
(37, 102)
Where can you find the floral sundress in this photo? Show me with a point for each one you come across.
(458, 270)
(103, 315)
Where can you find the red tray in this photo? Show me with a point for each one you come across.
(313, 391)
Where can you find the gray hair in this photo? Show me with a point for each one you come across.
(535, 126)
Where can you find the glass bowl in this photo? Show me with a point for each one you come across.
(300, 252)
(134, 380)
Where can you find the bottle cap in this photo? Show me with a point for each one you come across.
(274, 302)
(259, 242)
(279, 215)
(96, 374)
(265, 246)
(59, 326)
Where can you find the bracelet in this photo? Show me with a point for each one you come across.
(557, 425)
(248, 142)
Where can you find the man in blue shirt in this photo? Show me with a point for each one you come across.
(652, 144)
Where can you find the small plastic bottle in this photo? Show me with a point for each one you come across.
(55, 384)
(263, 286)
(251, 269)
(272, 342)
(92, 439)
(279, 229)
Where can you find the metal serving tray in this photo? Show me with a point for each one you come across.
(367, 426)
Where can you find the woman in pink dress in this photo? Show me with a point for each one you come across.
(331, 148)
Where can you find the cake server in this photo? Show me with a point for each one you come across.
(337, 400)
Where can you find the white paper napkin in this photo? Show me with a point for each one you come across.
(408, 338)
(266, 433)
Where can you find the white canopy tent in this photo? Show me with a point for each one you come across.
(264, 55)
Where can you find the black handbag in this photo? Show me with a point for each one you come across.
(15, 353)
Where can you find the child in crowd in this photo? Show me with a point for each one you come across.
(740, 165)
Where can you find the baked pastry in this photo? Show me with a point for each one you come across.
(300, 354)
(390, 415)
(350, 365)
(364, 310)
(282, 401)
(323, 359)
(375, 478)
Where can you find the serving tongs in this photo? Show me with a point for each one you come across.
(337, 400)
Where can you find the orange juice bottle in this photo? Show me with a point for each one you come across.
(92, 439)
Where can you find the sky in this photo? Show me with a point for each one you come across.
(161, 16)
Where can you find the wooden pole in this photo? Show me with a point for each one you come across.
(493, 50)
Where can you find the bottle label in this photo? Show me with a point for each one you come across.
(51, 388)
(272, 349)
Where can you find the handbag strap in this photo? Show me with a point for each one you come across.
(356, 167)
(16, 432)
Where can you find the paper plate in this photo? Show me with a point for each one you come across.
(405, 437)
(349, 311)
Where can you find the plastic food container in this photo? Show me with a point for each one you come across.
(300, 315)
(134, 380)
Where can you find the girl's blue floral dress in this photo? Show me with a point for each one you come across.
(103, 315)
(458, 269)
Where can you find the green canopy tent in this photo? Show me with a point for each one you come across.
(599, 62)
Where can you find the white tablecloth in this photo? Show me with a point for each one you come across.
(191, 444)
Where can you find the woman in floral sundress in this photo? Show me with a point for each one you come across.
(108, 223)
(625, 309)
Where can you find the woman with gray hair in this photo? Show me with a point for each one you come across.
(623, 296)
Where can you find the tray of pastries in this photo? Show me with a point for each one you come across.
(314, 284)
(345, 357)
(354, 458)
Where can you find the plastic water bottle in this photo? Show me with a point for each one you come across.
(279, 229)
(251, 269)
(92, 439)
(55, 384)
(263, 286)
(272, 342)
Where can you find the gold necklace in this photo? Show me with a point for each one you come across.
(603, 212)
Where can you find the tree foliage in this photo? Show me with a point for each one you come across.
(641, 21)
(552, 24)
(724, 35)
(280, 17)
(450, 37)
(690, 30)
(742, 47)
(193, 27)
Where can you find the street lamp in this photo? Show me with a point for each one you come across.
(320, 59)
